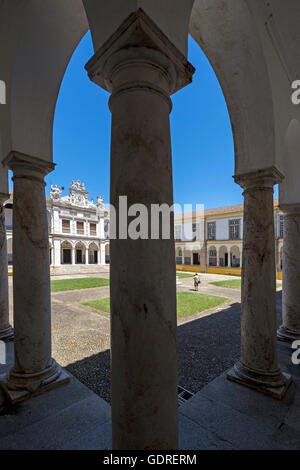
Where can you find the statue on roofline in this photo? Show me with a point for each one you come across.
(55, 192)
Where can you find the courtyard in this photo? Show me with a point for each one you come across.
(220, 415)
(208, 341)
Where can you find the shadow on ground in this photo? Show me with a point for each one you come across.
(207, 347)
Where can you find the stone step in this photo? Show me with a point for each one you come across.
(79, 269)
(14, 418)
(229, 427)
(54, 431)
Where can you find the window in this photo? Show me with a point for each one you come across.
(211, 231)
(66, 226)
(80, 228)
(177, 232)
(281, 219)
(234, 229)
(93, 229)
(195, 230)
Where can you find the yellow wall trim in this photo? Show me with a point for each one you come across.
(226, 271)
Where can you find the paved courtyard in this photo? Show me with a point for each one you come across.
(209, 342)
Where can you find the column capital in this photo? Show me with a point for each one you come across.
(27, 166)
(4, 197)
(260, 179)
(290, 209)
(139, 44)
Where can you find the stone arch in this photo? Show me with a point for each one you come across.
(223, 256)
(235, 257)
(66, 250)
(212, 256)
(93, 253)
(220, 27)
(42, 34)
(179, 254)
(80, 252)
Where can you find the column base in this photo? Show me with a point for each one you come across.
(284, 334)
(7, 334)
(275, 384)
(19, 387)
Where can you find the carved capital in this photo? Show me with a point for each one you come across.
(4, 197)
(259, 179)
(290, 209)
(139, 54)
(26, 166)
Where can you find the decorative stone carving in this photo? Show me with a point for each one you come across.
(55, 192)
(100, 202)
(78, 195)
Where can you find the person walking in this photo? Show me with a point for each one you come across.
(196, 281)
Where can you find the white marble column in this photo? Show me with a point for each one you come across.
(258, 367)
(6, 331)
(86, 260)
(101, 254)
(34, 370)
(73, 253)
(290, 328)
(142, 273)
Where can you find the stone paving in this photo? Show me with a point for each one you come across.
(209, 342)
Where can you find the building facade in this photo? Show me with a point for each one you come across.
(78, 228)
(216, 245)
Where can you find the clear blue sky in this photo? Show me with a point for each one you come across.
(202, 143)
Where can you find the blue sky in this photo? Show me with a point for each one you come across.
(202, 143)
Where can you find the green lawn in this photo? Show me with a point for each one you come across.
(231, 283)
(183, 275)
(80, 283)
(234, 283)
(187, 303)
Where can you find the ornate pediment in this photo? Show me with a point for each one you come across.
(78, 196)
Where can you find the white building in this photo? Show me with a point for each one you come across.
(78, 228)
(212, 241)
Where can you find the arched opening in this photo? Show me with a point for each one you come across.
(235, 257)
(93, 253)
(66, 253)
(80, 253)
(178, 256)
(223, 257)
(212, 256)
(247, 122)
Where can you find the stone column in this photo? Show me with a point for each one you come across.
(258, 367)
(290, 328)
(141, 71)
(86, 255)
(6, 331)
(34, 370)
